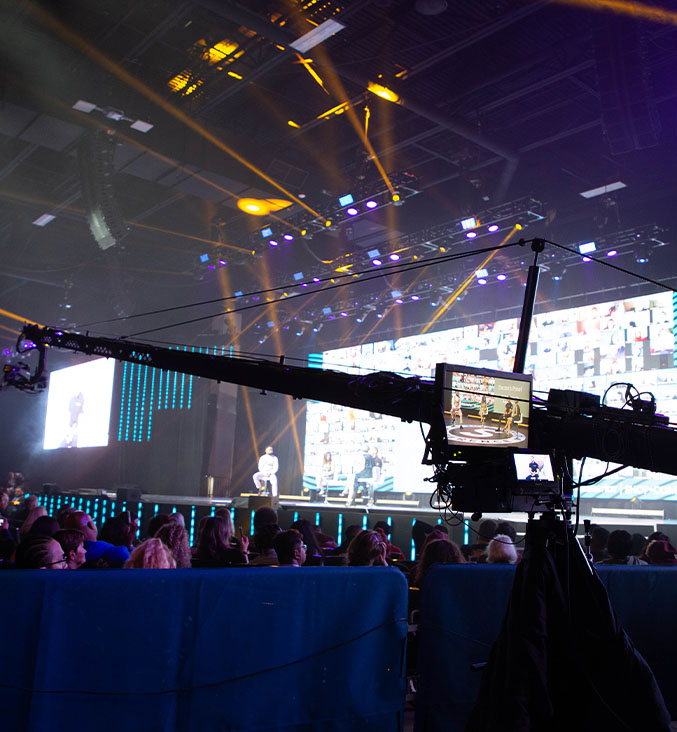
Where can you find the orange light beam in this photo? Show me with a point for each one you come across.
(622, 7)
(19, 318)
(465, 284)
(306, 63)
(74, 39)
(10, 330)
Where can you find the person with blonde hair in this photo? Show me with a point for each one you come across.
(151, 554)
(501, 550)
(367, 550)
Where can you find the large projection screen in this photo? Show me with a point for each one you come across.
(79, 405)
(585, 349)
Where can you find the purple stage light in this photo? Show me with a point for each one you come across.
(399, 301)
(287, 237)
(211, 266)
(273, 243)
(304, 284)
(344, 315)
(376, 262)
(612, 253)
(470, 234)
(394, 257)
(501, 277)
(352, 211)
(492, 228)
(481, 281)
(223, 262)
(586, 259)
(371, 204)
(316, 279)
(415, 297)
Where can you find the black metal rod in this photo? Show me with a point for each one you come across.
(525, 320)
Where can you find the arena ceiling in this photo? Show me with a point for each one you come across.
(505, 110)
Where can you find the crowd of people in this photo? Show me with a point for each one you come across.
(31, 539)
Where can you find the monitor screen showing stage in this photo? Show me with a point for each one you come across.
(484, 408)
(79, 405)
(585, 349)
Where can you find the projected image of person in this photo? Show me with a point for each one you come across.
(325, 475)
(268, 467)
(534, 469)
(456, 409)
(484, 410)
(76, 407)
(506, 417)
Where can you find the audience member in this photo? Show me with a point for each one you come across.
(654, 536)
(99, 553)
(4, 505)
(638, 544)
(662, 552)
(215, 549)
(40, 552)
(289, 548)
(178, 517)
(325, 541)
(266, 555)
(173, 535)
(264, 518)
(151, 554)
(507, 529)
(599, 536)
(314, 556)
(63, 514)
(119, 531)
(160, 519)
(44, 526)
(440, 551)
(73, 544)
(394, 552)
(33, 515)
(501, 550)
(367, 550)
(619, 548)
(350, 533)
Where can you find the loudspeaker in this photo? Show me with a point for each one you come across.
(129, 493)
(258, 501)
(50, 489)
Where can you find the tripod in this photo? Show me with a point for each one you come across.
(562, 661)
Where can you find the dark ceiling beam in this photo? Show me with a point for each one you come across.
(485, 32)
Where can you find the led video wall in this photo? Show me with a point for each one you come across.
(585, 349)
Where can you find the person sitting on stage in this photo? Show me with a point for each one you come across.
(151, 554)
(215, 549)
(441, 551)
(367, 550)
(268, 467)
(40, 552)
(99, 553)
(290, 549)
(175, 537)
(501, 550)
(73, 544)
(619, 547)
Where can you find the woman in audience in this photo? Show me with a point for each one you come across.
(119, 531)
(367, 550)
(619, 547)
(173, 535)
(160, 519)
(441, 551)
(151, 554)
(39, 552)
(501, 550)
(265, 536)
(661, 551)
(215, 548)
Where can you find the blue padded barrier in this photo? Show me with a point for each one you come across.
(183, 650)
(462, 609)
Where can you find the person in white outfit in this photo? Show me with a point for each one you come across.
(268, 465)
